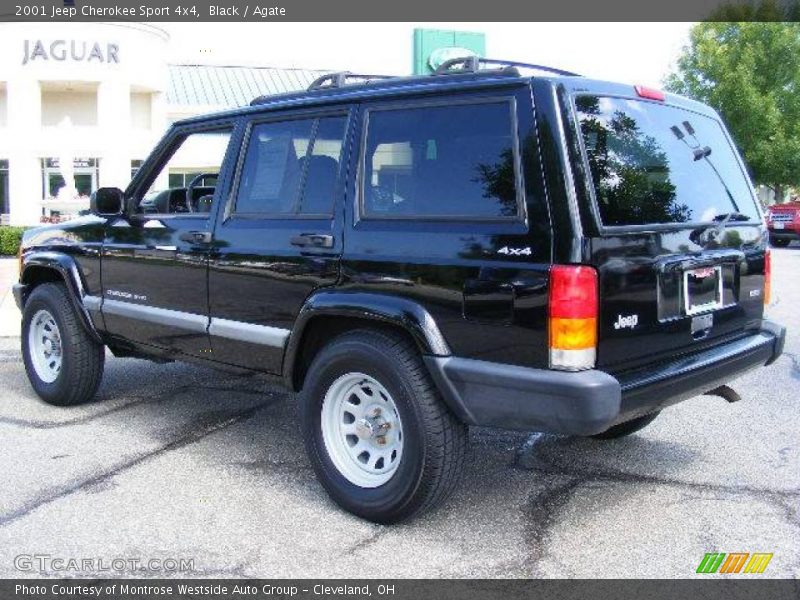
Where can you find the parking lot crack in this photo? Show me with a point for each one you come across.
(266, 465)
(553, 498)
(366, 542)
(39, 425)
(795, 363)
(527, 458)
(636, 478)
(102, 479)
(540, 513)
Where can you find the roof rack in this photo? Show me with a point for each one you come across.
(472, 64)
(337, 80)
(455, 66)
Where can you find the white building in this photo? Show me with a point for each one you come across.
(96, 97)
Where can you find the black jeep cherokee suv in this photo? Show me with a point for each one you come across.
(415, 255)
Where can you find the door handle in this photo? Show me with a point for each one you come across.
(315, 240)
(196, 237)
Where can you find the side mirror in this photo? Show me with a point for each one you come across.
(107, 202)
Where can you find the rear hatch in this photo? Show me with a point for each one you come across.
(679, 243)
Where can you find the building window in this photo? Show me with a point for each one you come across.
(85, 173)
(135, 166)
(180, 180)
(4, 205)
(141, 110)
(3, 107)
(75, 107)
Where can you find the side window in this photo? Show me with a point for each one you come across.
(454, 161)
(187, 181)
(291, 167)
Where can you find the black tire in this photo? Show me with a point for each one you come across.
(82, 358)
(626, 428)
(435, 441)
(779, 243)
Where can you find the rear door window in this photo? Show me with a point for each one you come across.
(458, 161)
(658, 164)
(291, 167)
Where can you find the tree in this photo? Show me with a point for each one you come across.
(750, 73)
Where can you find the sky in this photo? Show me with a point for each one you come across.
(637, 53)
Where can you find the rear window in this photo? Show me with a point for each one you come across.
(653, 164)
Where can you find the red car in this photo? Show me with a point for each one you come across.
(783, 221)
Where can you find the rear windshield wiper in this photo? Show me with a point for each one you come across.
(725, 218)
(733, 216)
(721, 221)
(700, 152)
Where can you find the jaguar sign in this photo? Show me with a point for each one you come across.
(69, 50)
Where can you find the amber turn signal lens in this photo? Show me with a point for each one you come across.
(573, 334)
(767, 276)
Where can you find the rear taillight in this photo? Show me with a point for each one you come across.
(573, 317)
(767, 276)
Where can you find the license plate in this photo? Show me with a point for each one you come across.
(702, 289)
(778, 225)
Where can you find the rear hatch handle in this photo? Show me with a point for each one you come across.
(682, 262)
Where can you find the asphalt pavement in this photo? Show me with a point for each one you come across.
(179, 463)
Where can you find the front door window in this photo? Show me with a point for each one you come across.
(187, 181)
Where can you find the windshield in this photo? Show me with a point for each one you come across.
(653, 164)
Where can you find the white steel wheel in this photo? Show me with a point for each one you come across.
(64, 362)
(361, 429)
(44, 346)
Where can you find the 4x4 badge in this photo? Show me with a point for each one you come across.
(526, 251)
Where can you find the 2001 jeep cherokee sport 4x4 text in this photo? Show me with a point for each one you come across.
(415, 255)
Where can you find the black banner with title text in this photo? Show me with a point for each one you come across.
(407, 10)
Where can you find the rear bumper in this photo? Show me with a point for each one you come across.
(784, 234)
(589, 402)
